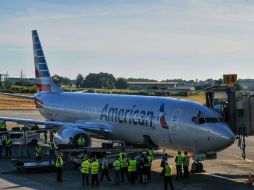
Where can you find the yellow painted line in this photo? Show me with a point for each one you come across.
(233, 180)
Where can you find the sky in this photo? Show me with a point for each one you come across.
(155, 39)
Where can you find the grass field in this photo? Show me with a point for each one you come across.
(14, 103)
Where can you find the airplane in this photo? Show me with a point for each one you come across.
(163, 122)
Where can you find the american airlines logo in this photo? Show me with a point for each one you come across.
(131, 116)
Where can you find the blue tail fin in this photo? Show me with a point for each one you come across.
(44, 82)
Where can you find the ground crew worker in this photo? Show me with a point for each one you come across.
(132, 169)
(38, 153)
(140, 168)
(167, 171)
(7, 143)
(51, 151)
(85, 170)
(164, 159)
(179, 162)
(117, 167)
(45, 137)
(59, 168)
(81, 141)
(51, 135)
(95, 171)
(104, 169)
(3, 126)
(124, 167)
(149, 159)
(150, 152)
(186, 162)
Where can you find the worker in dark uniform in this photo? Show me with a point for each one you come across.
(164, 159)
(51, 151)
(45, 137)
(51, 135)
(149, 159)
(167, 173)
(95, 172)
(117, 167)
(59, 168)
(7, 143)
(124, 167)
(85, 170)
(179, 162)
(186, 162)
(37, 153)
(104, 169)
(132, 170)
(145, 169)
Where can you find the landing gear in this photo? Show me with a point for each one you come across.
(197, 167)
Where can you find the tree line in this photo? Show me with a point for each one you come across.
(93, 80)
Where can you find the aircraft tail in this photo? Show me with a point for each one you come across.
(44, 83)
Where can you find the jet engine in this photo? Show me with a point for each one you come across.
(64, 136)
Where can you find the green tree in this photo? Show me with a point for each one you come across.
(79, 81)
(59, 80)
(100, 80)
(121, 83)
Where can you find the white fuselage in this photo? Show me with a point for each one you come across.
(167, 122)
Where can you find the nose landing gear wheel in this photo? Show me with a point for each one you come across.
(197, 167)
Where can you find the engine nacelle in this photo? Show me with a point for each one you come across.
(65, 135)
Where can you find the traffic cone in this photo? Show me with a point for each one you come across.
(250, 180)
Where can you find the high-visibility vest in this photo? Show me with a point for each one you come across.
(81, 140)
(150, 159)
(117, 165)
(124, 162)
(186, 160)
(8, 142)
(85, 166)
(38, 151)
(51, 146)
(150, 152)
(59, 162)
(3, 126)
(179, 160)
(95, 167)
(121, 155)
(132, 166)
(168, 170)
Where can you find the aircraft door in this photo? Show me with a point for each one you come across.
(174, 122)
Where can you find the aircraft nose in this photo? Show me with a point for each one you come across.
(224, 137)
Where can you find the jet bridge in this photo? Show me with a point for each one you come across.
(236, 108)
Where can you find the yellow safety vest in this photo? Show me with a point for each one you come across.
(3, 126)
(8, 142)
(117, 165)
(37, 151)
(124, 162)
(81, 140)
(132, 166)
(150, 159)
(186, 160)
(85, 166)
(179, 160)
(59, 162)
(121, 155)
(95, 167)
(168, 170)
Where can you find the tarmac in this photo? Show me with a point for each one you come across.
(228, 171)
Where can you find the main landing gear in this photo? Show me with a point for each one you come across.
(197, 167)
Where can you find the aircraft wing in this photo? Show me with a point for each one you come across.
(96, 130)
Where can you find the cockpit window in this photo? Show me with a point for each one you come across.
(206, 117)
